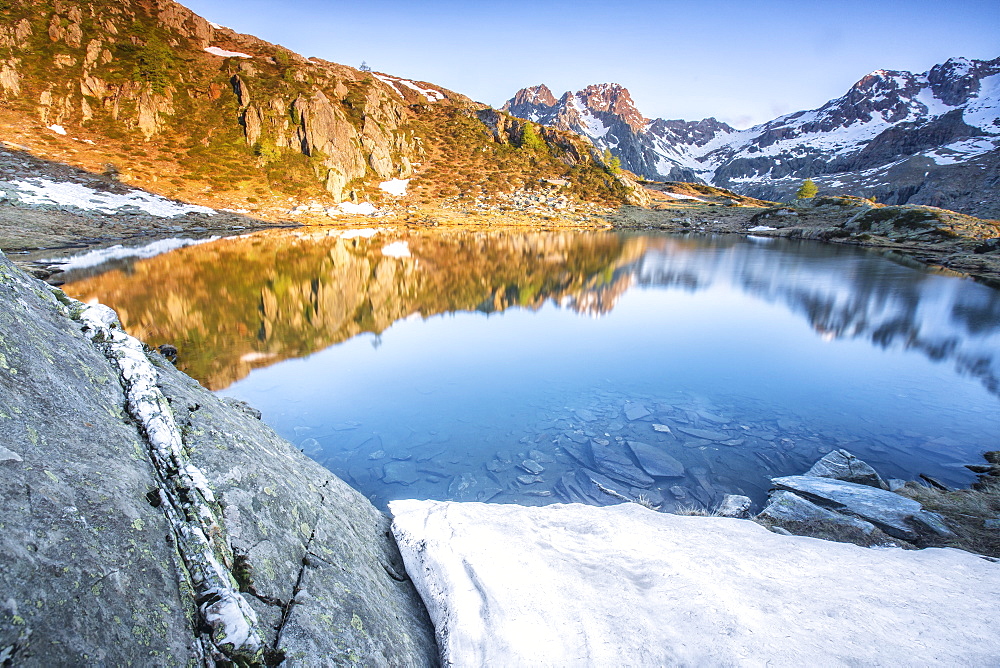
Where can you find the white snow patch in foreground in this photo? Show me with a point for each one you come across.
(762, 228)
(569, 584)
(58, 129)
(396, 249)
(117, 252)
(43, 191)
(395, 187)
(223, 53)
(364, 233)
(362, 209)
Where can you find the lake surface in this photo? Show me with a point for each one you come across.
(540, 367)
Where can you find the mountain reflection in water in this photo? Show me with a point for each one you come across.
(697, 334)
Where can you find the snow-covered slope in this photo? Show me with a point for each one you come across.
(931, 138)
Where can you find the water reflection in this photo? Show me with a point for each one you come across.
(251, 301)
(550, 366)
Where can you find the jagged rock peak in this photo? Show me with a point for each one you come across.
(539, 94)
(612, 98)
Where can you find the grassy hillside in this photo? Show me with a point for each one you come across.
(141, 92)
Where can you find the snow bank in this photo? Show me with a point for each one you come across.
(222, 53)
(362, 209)
(622, 585)
(431, 94)
(117, 252)
(58, 129)
(395, 187)
(679, 196)
(762, 228)
(43, 191)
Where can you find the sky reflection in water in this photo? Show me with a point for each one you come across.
(759, 356)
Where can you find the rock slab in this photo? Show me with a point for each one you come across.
(622, 585)
(895, 514)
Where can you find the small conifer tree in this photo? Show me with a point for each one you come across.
(530, 138)
(807, 189)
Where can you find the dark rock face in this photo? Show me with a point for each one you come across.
(930, 138)
(92, 572)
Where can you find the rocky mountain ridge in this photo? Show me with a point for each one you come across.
(929, 138)
(155, 95)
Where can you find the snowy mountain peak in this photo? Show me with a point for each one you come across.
(891, 135)
(539, 94)
(614, 99)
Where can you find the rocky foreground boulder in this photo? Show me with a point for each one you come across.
(146, 521)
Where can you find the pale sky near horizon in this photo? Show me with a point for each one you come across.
(742, 62)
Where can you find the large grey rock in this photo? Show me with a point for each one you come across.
(896, 515)
(88, 575)
(655, 461)
(575, 585)
(786, 507)
(306, 537)
(91, 571)
(842, 465)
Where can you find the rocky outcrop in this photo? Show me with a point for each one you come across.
(148, 518)
(843, 498)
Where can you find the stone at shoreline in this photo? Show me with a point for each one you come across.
(569, 584)
(655, 461)
(783, 507)
(90, 572)
(897, 515)
(734, 505)
(842, 465)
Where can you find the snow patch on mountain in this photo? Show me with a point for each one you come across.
(961, 151)
(223, 53)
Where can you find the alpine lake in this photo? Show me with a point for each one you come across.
(511, 366)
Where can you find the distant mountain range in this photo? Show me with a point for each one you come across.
(930, 138)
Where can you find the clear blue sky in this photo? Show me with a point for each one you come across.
(741, 61)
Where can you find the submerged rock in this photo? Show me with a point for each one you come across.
(655, 461)
(704, 434)
(636, 411)
(616, 464)
(402, 472)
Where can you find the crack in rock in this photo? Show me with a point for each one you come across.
(188, 502)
